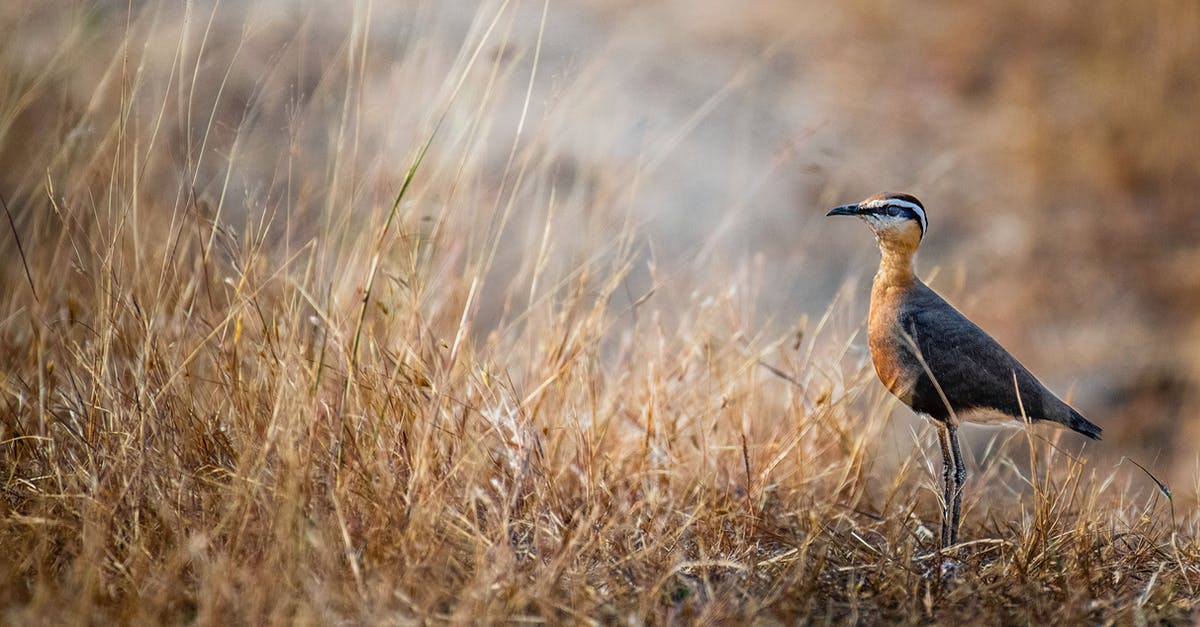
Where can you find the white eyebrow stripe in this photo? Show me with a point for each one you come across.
(884, 202)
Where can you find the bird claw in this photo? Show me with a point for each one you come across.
(939, 561)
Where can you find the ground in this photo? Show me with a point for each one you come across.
(527, 312)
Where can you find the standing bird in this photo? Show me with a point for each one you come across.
(936, 360)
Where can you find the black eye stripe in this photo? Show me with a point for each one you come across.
(897, 211)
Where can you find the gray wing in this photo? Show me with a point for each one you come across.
(974, 371)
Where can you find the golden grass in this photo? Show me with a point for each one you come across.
(274, 361)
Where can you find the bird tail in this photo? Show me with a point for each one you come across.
(1082, 425)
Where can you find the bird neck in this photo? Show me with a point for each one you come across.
(895, 262)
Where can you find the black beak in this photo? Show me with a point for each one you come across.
(845, 210)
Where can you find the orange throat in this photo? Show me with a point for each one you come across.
(896, 262)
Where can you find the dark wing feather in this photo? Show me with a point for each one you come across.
(973, 370)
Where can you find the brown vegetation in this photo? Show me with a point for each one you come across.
(317, 314)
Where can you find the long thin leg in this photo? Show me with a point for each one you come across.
(948, 492)
(960, 478)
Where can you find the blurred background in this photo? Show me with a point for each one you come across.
(1056, 145)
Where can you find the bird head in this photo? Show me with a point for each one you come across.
(894, 218)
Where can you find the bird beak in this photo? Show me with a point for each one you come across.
(845, 210)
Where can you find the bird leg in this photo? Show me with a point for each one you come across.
(960, 478)
(948, 468)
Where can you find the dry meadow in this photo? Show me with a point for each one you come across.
(364, 312)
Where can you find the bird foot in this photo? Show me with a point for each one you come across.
(939, 563)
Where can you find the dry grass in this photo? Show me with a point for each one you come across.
(292, 351)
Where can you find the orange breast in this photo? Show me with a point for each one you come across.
(889, 352)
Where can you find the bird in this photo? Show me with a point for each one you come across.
(934, 359)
